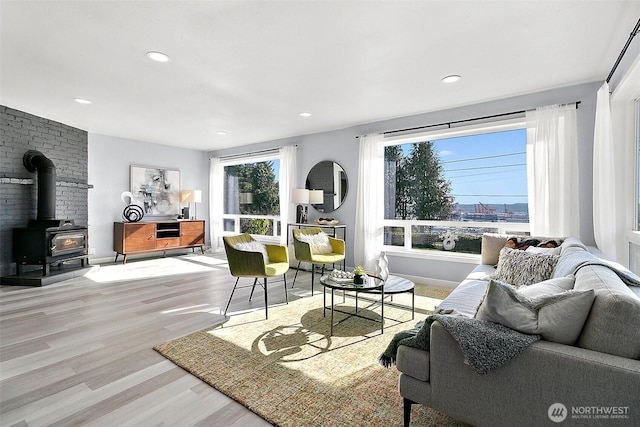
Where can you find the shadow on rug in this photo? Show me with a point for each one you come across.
(288, 370)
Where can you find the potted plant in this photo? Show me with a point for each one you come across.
(358, 274)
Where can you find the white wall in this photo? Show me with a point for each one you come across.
(109, 161)
(342, 146)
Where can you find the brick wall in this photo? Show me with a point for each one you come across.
(65, 146)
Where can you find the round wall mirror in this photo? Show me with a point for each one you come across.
(331, 178)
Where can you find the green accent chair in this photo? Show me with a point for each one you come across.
(303, 252)
(244, 263)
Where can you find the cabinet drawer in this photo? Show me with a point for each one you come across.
(167, 243)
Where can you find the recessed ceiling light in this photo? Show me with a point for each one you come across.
(304, 114)
(158, 56)
(82, 101)
(221, 132)
(451, 79)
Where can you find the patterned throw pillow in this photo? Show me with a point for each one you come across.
(524, 268)
(319, 243)
(253, 246)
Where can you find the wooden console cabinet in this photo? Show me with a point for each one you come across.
(155, 236)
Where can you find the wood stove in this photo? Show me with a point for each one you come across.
(47, 240)
(39, 244)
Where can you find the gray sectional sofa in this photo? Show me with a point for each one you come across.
(594, 381)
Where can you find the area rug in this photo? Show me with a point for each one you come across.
(289, 371)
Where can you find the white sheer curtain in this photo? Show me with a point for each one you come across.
(216, 192)
(552, 171)
(369, 201)
(604, 176)
(287, 180)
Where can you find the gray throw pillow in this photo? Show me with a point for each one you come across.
(556, 317)
(524, 268)
(548, 287)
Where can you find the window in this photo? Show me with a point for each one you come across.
(444, 189)
(251, 201)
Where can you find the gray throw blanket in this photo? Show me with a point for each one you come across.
(485, 345)
(571, 262)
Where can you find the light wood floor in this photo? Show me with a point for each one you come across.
(80, 352)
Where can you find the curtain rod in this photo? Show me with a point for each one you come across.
(493, 116)
(624, 49)
(252, 153)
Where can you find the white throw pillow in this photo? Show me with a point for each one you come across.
(555, 317)
(548, 251)
(253, 246)
(319, 243)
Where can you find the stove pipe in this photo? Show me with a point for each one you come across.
(35, 161)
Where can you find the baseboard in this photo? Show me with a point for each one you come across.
(436, 283)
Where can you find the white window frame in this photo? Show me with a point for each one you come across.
(492, 126)
(277, 221)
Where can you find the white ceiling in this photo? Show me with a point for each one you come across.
(249, 67)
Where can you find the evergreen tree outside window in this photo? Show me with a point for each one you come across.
(451, 190)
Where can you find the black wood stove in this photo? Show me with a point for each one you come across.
(47, 240)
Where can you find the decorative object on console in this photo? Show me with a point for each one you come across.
(300, 196)
(191, 196)
(327, 221)
(132, 212)
(157, 190)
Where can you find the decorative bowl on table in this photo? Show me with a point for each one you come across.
(327, 221)
(340, 276)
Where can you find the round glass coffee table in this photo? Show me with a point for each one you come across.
(372, 285)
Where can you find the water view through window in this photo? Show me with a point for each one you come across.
(463, 183)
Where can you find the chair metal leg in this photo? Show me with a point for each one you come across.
(313, 271)
(286, 296)
(253, 287)
(229, 302)
(296, 275)
(266, 304)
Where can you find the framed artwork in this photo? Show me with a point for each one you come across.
(156, 190)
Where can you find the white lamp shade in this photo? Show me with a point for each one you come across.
(316, 197)
(299, 195)
(191, 196)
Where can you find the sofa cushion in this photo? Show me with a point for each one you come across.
(466, 297)
(557, 317)
(524, 268)
(613, 325)
(491, 245)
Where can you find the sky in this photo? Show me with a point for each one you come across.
(487, 168)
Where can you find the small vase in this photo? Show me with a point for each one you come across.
(358, 279)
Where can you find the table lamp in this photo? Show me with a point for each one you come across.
(300, 196)
(191, 196)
